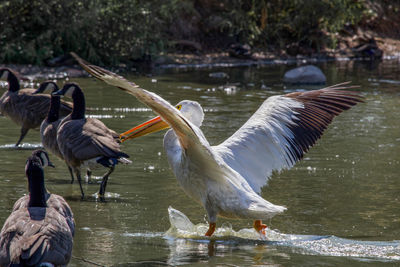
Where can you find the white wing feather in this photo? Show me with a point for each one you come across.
(282, 130)
(262, 144)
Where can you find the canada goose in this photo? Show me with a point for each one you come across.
(87, 141)
(48, 128)
(24, 108)
(227, 179)
(41, 226)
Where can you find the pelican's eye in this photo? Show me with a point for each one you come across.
(179, 107)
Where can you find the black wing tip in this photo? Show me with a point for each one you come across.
(318, 111)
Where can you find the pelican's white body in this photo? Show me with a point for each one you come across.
(206, 177)
(216, 186)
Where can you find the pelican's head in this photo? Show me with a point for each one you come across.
(46, 87)
(191, 110)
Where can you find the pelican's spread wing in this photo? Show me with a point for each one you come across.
(282, 130)
(168, 113)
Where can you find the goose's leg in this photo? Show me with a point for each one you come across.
(24, 131)
(211, 229)
(104, 183)
(72, 175)
(78, 176)
(89, 175)
(259, 226)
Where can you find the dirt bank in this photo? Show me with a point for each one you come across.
(365, 45)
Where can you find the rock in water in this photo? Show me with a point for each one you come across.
(308, 74)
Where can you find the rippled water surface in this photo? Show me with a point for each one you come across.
(343, 198)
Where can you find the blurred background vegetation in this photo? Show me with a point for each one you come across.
(113, 31)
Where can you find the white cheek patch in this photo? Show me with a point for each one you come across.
(70, 92)
(5, 74)
(44, 160)
(49, 88)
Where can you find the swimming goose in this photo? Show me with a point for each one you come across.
(227, 179)
(24, 108)
(88, 141)
(49, 126)
(40, 228)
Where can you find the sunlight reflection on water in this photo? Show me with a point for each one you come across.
(23, 146)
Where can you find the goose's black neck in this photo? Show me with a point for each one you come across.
(54, 109)
(13, 83)
(37, 190)
(78, 98)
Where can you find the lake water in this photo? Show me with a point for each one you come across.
(343, 198)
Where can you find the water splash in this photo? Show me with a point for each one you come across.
(24, 146)
(183, 228)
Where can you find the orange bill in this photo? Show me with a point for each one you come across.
(151, 126)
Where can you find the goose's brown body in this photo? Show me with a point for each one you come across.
(23, 108)
(41, 226)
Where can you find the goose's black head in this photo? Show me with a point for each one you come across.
(33, 168)
(73, 90)
(47, 86)
(43, 158)
(70, 90)
(37, 190)
(12, 79)
(4, 73)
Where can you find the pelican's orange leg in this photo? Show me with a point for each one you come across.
(259, 226)
(211, 229)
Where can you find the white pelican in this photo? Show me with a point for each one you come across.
(227, 179)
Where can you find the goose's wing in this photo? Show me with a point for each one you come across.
(185, 132)
(59, 204)
(87, 139)
(282, 130)
(33, 108)
(36, 235)
(53, 201)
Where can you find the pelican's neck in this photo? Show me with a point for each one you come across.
(78, 98)
(181, 164)
(173, 149)
(54, 109)
(13, 83)
(37, 192)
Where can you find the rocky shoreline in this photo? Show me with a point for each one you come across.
(200, 61)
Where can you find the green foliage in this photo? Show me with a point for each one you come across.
(111, 31)
(103, 31)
